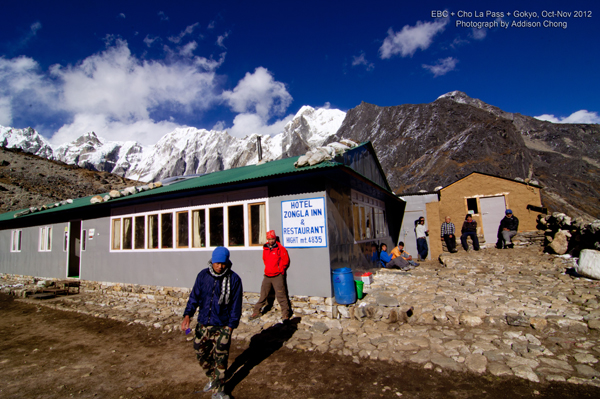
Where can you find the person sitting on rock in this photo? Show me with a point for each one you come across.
(509, 226)
(384, 257)
(400, 252)
(469, 229)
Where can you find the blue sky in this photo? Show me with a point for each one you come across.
(135, 70)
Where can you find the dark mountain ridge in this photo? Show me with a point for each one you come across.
(423, 146)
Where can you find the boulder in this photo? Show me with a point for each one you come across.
(589, 263)
(559, 243)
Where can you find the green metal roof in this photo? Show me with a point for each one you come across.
(251, 172)
(244, 173)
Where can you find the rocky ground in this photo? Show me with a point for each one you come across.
(504, 313)
(28, 180)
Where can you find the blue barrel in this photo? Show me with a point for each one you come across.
(343, 286)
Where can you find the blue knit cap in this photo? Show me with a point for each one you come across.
(220, 255)
(508, 211)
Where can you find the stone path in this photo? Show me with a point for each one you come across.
(503, 312)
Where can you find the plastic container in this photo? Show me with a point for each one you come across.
(359, 289)
(344, 287)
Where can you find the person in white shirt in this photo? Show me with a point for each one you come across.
(422, 233)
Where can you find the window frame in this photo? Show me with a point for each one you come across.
(363, 206)
(175, 212)
(249, 218)
(19, 234)
(45, 239)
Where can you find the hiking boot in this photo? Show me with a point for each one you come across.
(210, 385)
(254, 316)
(220, 395)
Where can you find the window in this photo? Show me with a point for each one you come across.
(83, 239)
(199, 228)
(240, 224)
(215, 229)
(369, 217)
(472, 205)
(381, 223)
(139, 232)
(45, 239)
(153, 231)
(116, 234)
(127, 233)
(235, 223)
(166, 230)
(15, 245)
(182, 230)
(258, 223)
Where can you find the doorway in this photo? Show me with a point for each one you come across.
(492, 212)
(74, 249)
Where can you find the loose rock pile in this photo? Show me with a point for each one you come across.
(504, 312)
(564, 234)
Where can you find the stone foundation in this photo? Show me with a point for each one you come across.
(174, 298)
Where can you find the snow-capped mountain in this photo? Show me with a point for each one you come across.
(183, 151)
(26, 139)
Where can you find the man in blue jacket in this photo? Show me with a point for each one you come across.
(217, 293)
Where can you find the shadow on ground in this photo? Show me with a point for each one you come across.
(261, 346)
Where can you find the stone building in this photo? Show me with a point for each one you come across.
(484, 196)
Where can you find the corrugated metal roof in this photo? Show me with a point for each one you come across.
(252, 172)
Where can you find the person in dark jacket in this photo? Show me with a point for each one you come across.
(276, 260)
(217, 293)
(384, 257)
(509, 226)
(469, 229)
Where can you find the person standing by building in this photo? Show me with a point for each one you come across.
(448, 235)
(421, 232)
(276, 260)
(509, 226)
(217, 293)
(469, 229)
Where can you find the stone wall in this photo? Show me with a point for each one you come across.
(173, 298)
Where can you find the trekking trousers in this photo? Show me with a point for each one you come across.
(212, 351)
(278, 284)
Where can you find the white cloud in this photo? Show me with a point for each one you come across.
(211, 25)
(116, 84)
(123, 97)
(188, 49)
(163, 16)
(411, 38)
(442, 67)
(24, 87)
(479, 34)
(144, 131)
(5, 111)
(187, 31)
(221, 39)
(258, 98)
(259, 93)
(220, 125)
(361, 60)
(581, 116)
(246, 124)
(149, 40)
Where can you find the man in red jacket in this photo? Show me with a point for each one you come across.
(276, 260)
